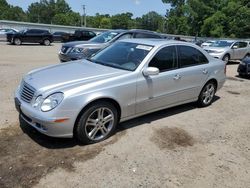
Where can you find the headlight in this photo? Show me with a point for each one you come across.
(77, 50)
(51, 102)
(38, 102)
(217, 52)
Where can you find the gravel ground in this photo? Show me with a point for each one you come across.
(183, 146)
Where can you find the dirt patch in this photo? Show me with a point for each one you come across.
(170, 138)
(26, 158)
(234, 79)
(234, 92)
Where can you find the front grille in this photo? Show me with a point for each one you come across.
(27, 92)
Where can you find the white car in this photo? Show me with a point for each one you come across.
(4, 32)
(229, 50)
(207, 43)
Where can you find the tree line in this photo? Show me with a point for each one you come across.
(213, 18)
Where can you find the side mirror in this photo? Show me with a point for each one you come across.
(235, 47)
(150, 71)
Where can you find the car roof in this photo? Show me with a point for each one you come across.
(156, 42)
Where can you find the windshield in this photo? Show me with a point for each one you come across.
(222, 44)
(122, 55)
(104, 37)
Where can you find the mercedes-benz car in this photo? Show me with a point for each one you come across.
(83, 49)
(88, 98)
(229, 50)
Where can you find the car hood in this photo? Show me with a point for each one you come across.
(70, 75)
(210, 48)
(81, 43)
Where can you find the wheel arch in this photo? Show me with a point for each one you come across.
(211, 80)
(106, 99)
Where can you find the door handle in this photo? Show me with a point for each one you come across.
(177, 77)
(205, 71)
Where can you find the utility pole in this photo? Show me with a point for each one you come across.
(84, 15)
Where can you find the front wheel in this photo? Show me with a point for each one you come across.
(46, 42)
(97, 123)
(207, 94)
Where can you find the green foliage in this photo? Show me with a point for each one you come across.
(214, 18)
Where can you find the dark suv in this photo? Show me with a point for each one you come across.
(78, 35)
(83, 49)
(31, 36)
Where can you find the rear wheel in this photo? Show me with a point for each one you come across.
(97, 123)
(226, 58)
(17, 41)
(207, 94)
(46, 42)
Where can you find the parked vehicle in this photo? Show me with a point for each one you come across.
(79, 50)
(4, 32)
(78, 35)
(229, 50)
(207, 43)
(244, 67)
(31, 36)
(58, 36)
(130, 78)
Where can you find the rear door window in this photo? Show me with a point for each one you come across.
(189, 56)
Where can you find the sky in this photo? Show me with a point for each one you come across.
(137, 7)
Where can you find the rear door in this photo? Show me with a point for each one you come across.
(243, 47)
(193, 72)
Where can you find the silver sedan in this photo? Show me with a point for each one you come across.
(88, 98)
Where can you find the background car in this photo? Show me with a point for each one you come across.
(244, 67)
(31, 36)
(207, 43)
(78, 35)
(79, 50)
(229, 50)
(58, 36)
(88, 98)
(4, 32)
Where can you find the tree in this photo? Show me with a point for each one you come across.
(121, 21)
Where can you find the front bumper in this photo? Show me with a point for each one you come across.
(217, 55)
(45, 122)
(244, 69)
(69, 57)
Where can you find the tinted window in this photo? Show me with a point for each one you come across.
(242, 44)
(125, 36)
(145, 35)
(165, 59)
(92, 34)
(189, 56)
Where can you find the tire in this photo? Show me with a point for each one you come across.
(17, 41)
(226, 58)
(207, 94)
(46, 42)
(92, 126)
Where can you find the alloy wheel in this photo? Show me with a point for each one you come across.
(208, 93)
(99, 123)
